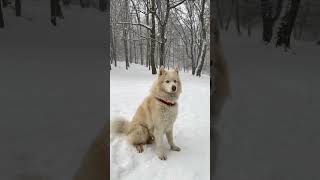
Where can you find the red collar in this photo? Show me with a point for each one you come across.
(165, 102)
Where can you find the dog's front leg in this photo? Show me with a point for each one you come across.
(169, 135)
(158, 135)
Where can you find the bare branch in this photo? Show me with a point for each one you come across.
(138, 24)
(145, 36)
(173, 6)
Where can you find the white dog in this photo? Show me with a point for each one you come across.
(155, 116)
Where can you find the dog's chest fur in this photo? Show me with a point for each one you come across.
(167, 116)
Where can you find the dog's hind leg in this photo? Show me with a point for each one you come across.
(138, 137)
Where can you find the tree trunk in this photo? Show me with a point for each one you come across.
(203, 57)
(18, 7)
(193, 64)
(53, 6)
(173, 55)
(115, 51)
(162, 48)
(102, 5)
(141, 49)
(203, 49)
(153, 37)
(130, 48)
(1, 17)
(125, 33)
(268, 20)
(113, 47)
(148, 45)
(5, 3)
(56, 11)
(125, 46)
(238, 17)
(135, 52)
(59, 10)
(287, 23)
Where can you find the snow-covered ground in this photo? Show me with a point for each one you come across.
(52, 90)
(270, 126)
(191, 130)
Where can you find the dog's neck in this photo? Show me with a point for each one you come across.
(166, 102)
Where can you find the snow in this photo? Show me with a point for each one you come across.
(191, 130)
(269, 128)
(52, 90)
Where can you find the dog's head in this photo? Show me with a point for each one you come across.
(169, 81)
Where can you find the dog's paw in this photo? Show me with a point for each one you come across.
(162, 157)
(175, 148)
(139, 148)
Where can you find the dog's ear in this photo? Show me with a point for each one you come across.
(177, 70)
(162, 71)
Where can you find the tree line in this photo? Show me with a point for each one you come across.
(55, 8)
(158, 33)
(278, 20)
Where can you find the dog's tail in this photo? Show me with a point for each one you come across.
(119, 125)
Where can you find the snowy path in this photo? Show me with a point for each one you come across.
(191, 130)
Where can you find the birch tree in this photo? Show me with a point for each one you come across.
(203, 46)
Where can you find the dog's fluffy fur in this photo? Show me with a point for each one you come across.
(154, 118)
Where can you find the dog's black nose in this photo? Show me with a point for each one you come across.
(174, 88)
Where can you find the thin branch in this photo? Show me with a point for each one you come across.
(138, 24)
(173, 6)
(145, 36)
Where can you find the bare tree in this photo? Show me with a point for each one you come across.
(56, 11)
(153, 36)
(162, 22)
(204, 45)
(287, 23)
(53, 6)
(125, 31)
(167, 30)
(18, 7)
(148, 41)
(268, 18)
(137, 12)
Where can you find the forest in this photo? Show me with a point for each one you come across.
(55, 8)
(154, 33)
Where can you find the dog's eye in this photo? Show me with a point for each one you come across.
(167, 81)
(175, 81)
